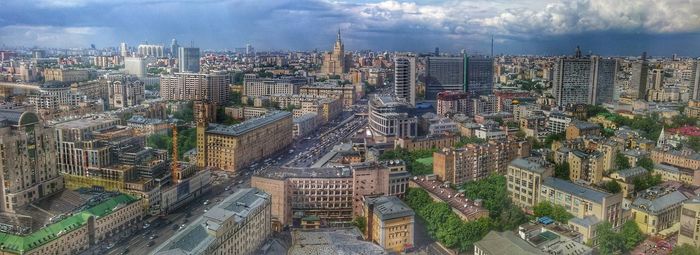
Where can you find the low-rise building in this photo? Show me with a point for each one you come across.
(524, 179)
(625, 178)
(427, 143)
(66, 75)
(390, 222)
(673, 173)
(465, 208)
(240, 224)
(657, 209)
(577, 129)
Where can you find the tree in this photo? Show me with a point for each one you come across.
(551, 138)
(561, 171)
(646, 163)
(609, 242)
(593, 110)
(556, 212)
(685, 249)
(646, 181)
(186, 113)
(612, 187)
(464, 140)
(360, 222)
(694, 143)
(621, 162)
(632, 234)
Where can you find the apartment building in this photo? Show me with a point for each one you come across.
(524, 179)
(254, 86)
(344, 92)
(586, 166)
(557, 122)
(125, 94)
(212, 87)
(426, 143)
(589, 206)
(378, 178)
(684, 159)
(239, 225)
(28, 170)
(237, 146)
(66, 75)
(451, 102)
(474, 161)
(577, 129)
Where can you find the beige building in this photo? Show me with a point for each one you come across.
(254, 86)
(125, 94)
(524, 179)
(76, 232)
(388, 178)
(426, 143)
(625, 178)
(336, 62)
(474, 161)
(234, 147)
(389, 223)
(589, 206)
(586, 166)
(344, 92)
(239, 225)
(657, 209)
(577, 129)
(66, 75)
(28, 170)
(211, 87)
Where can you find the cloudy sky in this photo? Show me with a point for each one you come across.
(607, 27)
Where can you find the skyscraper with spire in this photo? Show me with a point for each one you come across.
(334, 63)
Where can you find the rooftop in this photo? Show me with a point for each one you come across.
(340, 241)
(528, 165)
(86, 122)
(389, 207)
(282, 173)
(657, 199)
(248, 125)
(631, 172)
(456, 200)
(576, 190)
(584, 124)
(505, 243)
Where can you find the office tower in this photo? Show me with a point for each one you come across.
(391, 119)
(603, 86)
(405, 78)
(211, 87)
(188, 60)
(443, 74)
(150, 50)
(655, 93)
(123, 49)
(638, 80)
(695, 81)
(572, 79)
(334, 62)
(174, 47)
(28, 169)
(479, 71)
(135, 66)
(249, 50)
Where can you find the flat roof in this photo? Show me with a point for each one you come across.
(528, 165)
(331, 241)
(86, 122)
(282, 173)
(389, 207)
(575, 189)
(248, 125)
(505, 243)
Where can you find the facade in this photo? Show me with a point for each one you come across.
(686, 160)
(389, 222)
(639, 79)
(77, 149)
(589, 206)
(473, 161)
(586, 166)
(524, 179)
(124, 94)
(390, 119)
(66, 75)
(450, 102)
(695, 81)
(426, 143)
(690, 223)
(123, 50)
(657, 209)
(77, 232)
(577, 129)
(405, 78)
(150, 50)
(388, 178)
(572, 80)
(443, 74)
(479, 71)
(305, 124)
(188, 59)
(196, 87)
(604, 71)
(557, 122)
(135, 66)
(239, 225)
(234, 147)
(28, 170)
(335, 62)
(345, 92)
(255, 86)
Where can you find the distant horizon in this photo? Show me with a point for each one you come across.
(538, 27)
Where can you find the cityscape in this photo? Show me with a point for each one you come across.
(361, 127)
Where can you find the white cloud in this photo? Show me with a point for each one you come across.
(53, 36)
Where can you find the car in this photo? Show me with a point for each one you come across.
(151, 243)
(182, 226)
(152, 237)
(110, 246)
(206, 202)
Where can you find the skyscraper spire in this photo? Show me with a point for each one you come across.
(338, 35)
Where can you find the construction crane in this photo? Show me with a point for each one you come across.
(174, 167)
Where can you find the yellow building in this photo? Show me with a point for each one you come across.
(65, 75)
(389, 223)
(657, 209)
(238, 146)
(524, 179)
(626, 178)
(586, 166)
(576, 129)
(690, 223)
(606, 123)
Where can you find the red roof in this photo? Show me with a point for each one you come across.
(685, 131)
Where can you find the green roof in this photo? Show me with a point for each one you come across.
(22, 244)
(425, 161)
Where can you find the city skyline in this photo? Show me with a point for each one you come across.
(602, 27)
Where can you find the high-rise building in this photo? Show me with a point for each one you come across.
(405, 78)
(572, 79)
(212, 87)
(174, 49)
(150, 50)
(135, 66)
(188, 60)
(334, 63)
(123, 49)
(249, 50)
(475, 161)
(479, 72)
(695, 81)
(443, 74)
(28, 169)
(656, 92)
(638, 80)
(603, 86)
